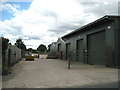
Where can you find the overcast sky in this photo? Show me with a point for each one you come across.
(43, 21)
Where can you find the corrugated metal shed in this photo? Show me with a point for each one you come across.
(94, 43)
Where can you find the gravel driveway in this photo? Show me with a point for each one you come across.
(53, 73)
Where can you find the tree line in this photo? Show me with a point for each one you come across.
(20, 44)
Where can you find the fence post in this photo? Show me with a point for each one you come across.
(69, 62)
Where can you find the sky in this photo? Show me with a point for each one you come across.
(44, 21)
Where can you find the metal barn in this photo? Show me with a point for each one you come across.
(60, 45)
(95, 43)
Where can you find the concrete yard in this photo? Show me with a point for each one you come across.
(53, 73)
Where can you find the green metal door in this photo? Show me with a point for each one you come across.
(80, 50)
(96, 48)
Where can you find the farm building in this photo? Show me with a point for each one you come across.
(60, 45)
(52, 51)
(95, 43)
(58, 48)
(52, 47)
(13, 55)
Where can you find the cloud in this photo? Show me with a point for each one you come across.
(46, 20)
(101, 8)
(13, 9)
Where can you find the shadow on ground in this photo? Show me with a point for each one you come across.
(105, 85)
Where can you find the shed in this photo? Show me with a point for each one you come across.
(61, 49)
(13, 55)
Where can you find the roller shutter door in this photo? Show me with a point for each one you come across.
(96, 48)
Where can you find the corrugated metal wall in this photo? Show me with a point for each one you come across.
(108, 47)
(108, 42)
(52, 48)
(61, 48)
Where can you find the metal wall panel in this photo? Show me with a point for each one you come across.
(117, 43)
(68, 51)
(80, 50)
(62, 48)
(59, 47)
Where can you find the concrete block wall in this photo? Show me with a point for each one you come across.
(15, 54)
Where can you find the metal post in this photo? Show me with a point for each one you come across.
(69, 62)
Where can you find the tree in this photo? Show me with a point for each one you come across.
(10, 44)
(4, 44)
(30, 49)
(4, 48)
(42, 48)
(19, 43)
(35, 51)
